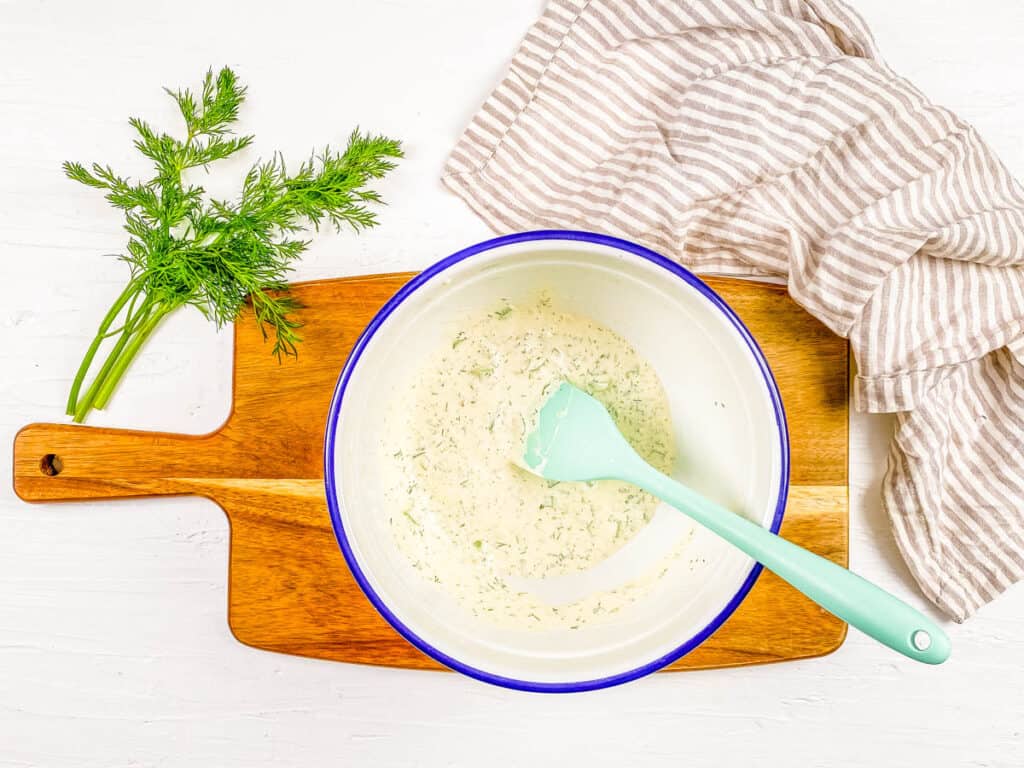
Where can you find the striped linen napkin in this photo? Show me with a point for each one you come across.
(767, 137)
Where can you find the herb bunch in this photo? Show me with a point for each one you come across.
(219, 256)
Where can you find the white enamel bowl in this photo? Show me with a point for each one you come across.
(729, 425)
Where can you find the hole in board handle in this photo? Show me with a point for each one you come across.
(51, 465)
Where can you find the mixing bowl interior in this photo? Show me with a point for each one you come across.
(727, 423)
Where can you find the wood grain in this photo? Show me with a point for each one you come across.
(289, 587)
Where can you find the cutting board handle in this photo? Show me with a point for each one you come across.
(63, 462)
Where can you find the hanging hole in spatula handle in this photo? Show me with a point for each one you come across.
(63, 462)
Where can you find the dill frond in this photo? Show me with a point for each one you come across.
(219, 256)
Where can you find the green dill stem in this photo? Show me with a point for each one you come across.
(129, 327)
(86, 403)
(125, 359)
(130, 291)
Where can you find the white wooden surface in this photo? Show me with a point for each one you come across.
(114, 649)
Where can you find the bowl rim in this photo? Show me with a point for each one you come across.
(332, 485)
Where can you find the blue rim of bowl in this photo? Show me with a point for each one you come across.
(332, 486)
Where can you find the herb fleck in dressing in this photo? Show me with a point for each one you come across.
(465, 515)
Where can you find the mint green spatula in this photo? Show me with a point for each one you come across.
(576, 439)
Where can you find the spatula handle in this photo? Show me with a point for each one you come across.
(841, 592)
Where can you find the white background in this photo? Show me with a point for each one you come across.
(114, 650)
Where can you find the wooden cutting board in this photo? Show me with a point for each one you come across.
(289, 587)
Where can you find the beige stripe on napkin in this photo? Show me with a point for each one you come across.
(768, 138)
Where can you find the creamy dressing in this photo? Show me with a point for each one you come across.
(466, 516)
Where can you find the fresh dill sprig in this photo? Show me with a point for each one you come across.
(219, 256)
